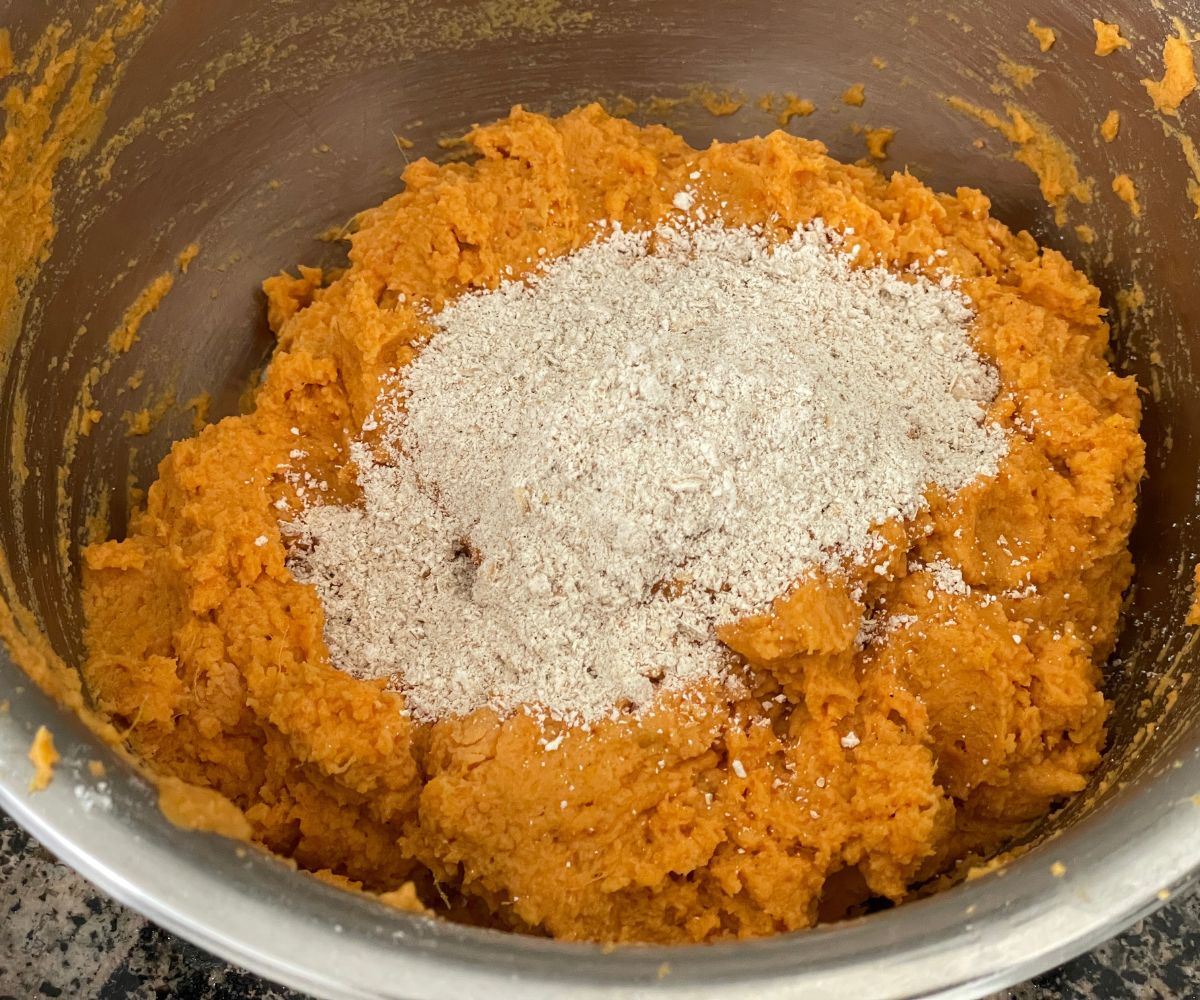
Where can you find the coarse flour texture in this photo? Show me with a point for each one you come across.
(584, 473)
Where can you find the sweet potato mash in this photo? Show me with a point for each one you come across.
(851, 771)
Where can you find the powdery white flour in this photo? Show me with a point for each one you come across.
(584, 472)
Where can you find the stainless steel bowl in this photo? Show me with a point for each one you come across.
(296, 132)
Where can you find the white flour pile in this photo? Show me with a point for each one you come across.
(591, 469)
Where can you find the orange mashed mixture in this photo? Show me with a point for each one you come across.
(847, 776)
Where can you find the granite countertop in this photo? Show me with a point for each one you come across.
(59, 937)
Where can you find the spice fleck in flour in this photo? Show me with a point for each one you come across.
(582, 474)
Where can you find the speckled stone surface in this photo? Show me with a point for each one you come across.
(59, 937)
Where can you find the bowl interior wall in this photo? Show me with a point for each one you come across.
(297, 132)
